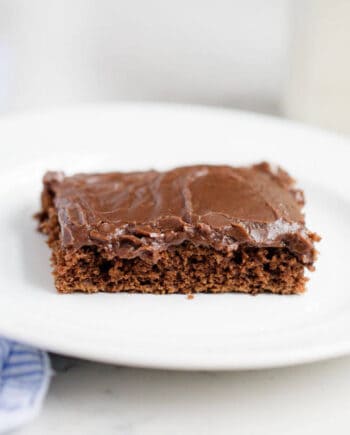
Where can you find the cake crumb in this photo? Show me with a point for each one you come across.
(190, 296)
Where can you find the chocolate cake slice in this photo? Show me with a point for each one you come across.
(191, 229)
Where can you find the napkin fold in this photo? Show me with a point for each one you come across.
(25, 374)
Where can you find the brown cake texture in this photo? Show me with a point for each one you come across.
(191, 229)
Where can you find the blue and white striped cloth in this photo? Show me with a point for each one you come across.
(25, 375)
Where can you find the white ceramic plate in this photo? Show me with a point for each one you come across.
(231, 331)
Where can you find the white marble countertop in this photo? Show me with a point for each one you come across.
(89, 398)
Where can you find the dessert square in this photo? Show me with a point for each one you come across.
(191, 229)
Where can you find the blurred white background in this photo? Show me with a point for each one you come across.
(225, 52)
(288, 57)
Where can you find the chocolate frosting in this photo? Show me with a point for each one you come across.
(140, 214)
